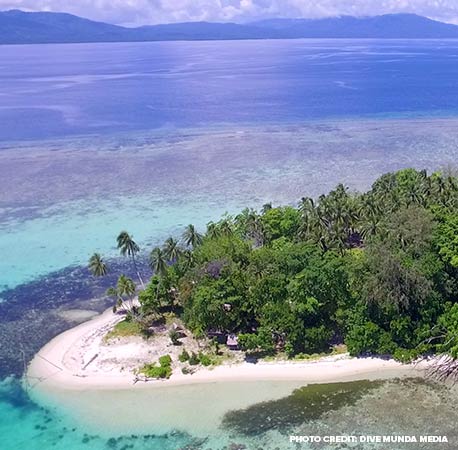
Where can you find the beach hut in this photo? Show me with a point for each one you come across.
(232, 342)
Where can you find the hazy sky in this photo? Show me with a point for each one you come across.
(137, 12)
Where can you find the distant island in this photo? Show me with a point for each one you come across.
(19, 27)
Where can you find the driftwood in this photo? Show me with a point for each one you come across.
(443, 368)
(137, 379)
(90, 361)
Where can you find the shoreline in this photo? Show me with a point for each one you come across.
(66, 362)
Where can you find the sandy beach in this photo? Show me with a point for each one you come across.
(78, 359)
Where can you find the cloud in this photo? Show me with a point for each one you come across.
(140, 12)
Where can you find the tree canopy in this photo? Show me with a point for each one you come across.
(377, 271)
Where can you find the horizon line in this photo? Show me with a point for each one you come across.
(231, 22)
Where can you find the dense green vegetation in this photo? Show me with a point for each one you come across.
(163, 370)
(377, 271)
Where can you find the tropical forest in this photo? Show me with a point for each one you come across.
(374, 271)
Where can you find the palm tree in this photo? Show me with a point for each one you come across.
(129, 247)
(125, 287)
(450, 192)
(158, 264)
(266, 207)
(188, 258)
(191, 237)
(440, 187)
(158, 261)
(112, 292)
(213, 230)
(171, 250)
(311, 224)
(254, 229)
(415, 196)
(97, 265)
(225, 227)
(369, 217)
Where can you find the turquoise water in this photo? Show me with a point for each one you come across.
(69, 234)
(25, 424)
(149, 137)
(141, 421)
(63, 200)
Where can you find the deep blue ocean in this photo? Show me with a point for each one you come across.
(48, 91)
(148, 137)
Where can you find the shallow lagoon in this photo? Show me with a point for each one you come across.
(62, 200)
(222, 416)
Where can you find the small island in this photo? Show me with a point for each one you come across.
(283, 293)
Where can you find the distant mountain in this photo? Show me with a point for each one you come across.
(19, 27)
(204, 31)
(386, 26)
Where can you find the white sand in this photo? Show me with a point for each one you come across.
(72, 361)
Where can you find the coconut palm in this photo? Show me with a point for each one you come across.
(225, 227)
(171, 250)
(255, 229)
(440, 186)
(97, 265)
(450, 194)
(415, 196)
(369, 217)
(112, 292)
(213, 230)
(188, 258)
(191, 237)
(312, 225)
(129, 247)
(158, 261)
(266, 207)
(125, 286)
(123, 293)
